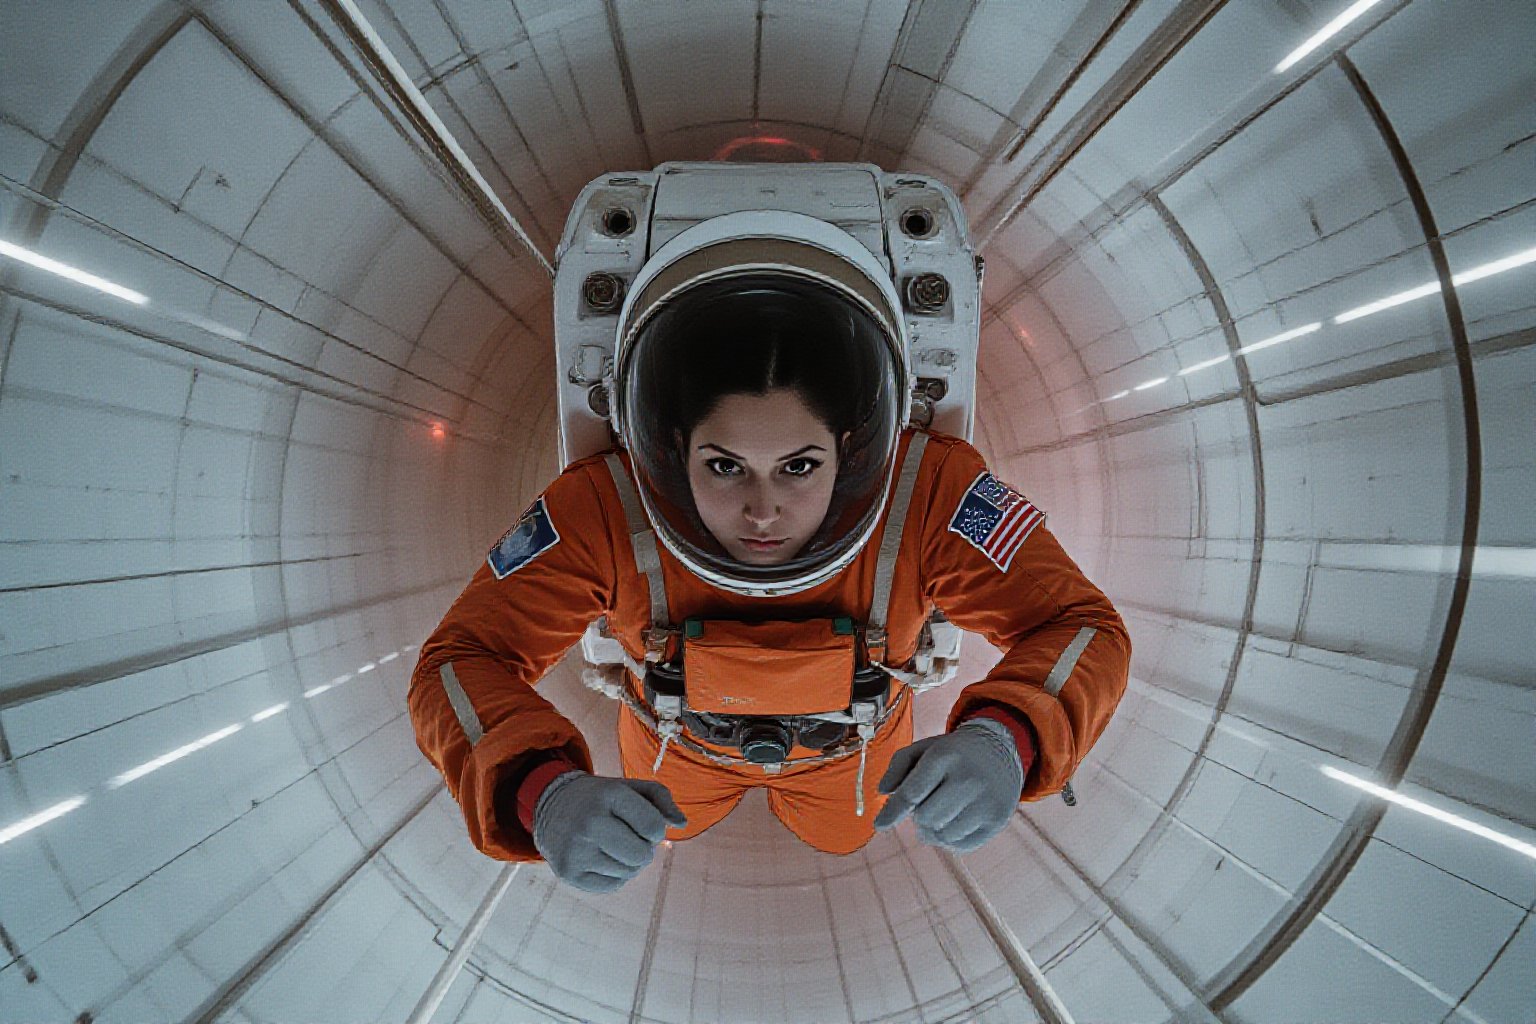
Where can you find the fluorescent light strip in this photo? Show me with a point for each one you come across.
(276, 709)
(1280, 338)
(1488, 561)
(175, 755)
(212, 326)
(402, 79)
(1519, 259)
(1120, 394)
(1150, 384)
(26, 825)
(1203, 366)
(389, 657)
(1433, 812)
(318, 690)
(1350, 14)
(1387, 303)
(64, 270)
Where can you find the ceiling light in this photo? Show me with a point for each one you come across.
(1149, 384)
(1433, 812)
(1519, 259)
(26, 825)
(175, 755)
(1279, 338)
(1350, 14)
(1203, 366)
(213, 326)
(101, 284)
(276, 709)
(1387, 303)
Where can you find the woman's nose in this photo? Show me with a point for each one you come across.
(762, 508)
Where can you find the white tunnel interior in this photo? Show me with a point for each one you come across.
(1260, 340)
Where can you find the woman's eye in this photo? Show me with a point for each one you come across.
(722, 467)
(801, 466)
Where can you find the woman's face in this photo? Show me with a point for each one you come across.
(761, 468)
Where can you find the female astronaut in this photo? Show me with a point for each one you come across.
(766, 448)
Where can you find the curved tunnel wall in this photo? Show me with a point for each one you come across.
(229, 513)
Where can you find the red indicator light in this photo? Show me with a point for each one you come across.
(438, 432)
(766, 149)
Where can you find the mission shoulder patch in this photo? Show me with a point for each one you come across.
(533, 535)
(996, 519)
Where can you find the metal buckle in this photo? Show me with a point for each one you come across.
(668, 707)
(656, 638)
(875, 638)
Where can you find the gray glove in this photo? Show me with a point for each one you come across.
(960, 787)
(598, 832)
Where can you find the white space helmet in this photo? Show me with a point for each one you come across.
(745, 304)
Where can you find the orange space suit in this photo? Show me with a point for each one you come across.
(479, 719)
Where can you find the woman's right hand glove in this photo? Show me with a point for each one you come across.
(598, 832)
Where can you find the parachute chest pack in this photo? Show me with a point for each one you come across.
(756, 691)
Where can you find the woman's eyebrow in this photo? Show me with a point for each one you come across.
(732, 455)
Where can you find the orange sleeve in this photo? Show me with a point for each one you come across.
(1058, 631)
(472, 699)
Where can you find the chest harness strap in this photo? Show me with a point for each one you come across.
(657, 635)
(663, 719)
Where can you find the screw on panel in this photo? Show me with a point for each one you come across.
(927, 293)
(922, 410)
(918, 222)
(603, 292)
(617, 222)
(597, 400)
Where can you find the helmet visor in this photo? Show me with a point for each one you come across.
(761, 413)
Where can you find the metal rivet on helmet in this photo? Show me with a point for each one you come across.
(927, 293)
(603, 292)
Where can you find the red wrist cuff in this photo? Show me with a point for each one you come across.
(533, 785)
(1017, 725)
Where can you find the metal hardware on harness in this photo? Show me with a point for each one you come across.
(866, 731)
(845, 749)
(764, 740)
(667, 728)
(656, 639)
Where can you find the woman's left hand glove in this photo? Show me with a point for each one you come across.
(960, 787)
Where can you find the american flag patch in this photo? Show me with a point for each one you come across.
(996, 519)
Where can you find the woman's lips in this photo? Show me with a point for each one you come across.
(762, 545)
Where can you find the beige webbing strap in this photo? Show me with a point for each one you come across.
(463, 708)
(1068, 660)
(642, 540)
(895, 526)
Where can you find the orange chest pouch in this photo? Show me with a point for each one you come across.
(769, 668)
